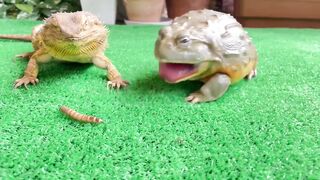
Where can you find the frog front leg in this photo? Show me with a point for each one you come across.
(214, 88)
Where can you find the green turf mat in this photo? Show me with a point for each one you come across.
(267, 128)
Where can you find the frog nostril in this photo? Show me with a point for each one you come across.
(162, 34)
(170, 45)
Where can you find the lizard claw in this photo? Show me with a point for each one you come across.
(117, 83)
(25, 80)
(25, 55)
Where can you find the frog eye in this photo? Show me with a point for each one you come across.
(184, 40)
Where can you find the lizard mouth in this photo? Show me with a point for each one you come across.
(175, 72)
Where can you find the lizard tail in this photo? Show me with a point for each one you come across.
(79, 117)
(16, 37)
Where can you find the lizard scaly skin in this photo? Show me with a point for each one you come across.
(73, 37)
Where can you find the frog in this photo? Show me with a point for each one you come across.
(207, 46)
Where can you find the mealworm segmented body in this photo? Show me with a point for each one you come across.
(79, 117)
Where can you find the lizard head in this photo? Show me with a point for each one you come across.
(76, 26)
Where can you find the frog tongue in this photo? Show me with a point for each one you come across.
(172, 72)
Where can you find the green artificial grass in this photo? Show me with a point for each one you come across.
(267, 128)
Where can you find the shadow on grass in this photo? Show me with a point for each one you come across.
(64, 69)
(150, 83)
(153, 83)
(55, 70)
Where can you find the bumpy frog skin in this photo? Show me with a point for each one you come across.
(209, 46)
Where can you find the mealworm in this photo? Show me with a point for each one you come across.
(79, 117)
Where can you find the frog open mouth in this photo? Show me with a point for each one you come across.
(175, 72)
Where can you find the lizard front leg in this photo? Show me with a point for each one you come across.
(214, 88)
(31, 72)
(115, 80)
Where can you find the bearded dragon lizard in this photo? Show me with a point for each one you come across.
(72, 37)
